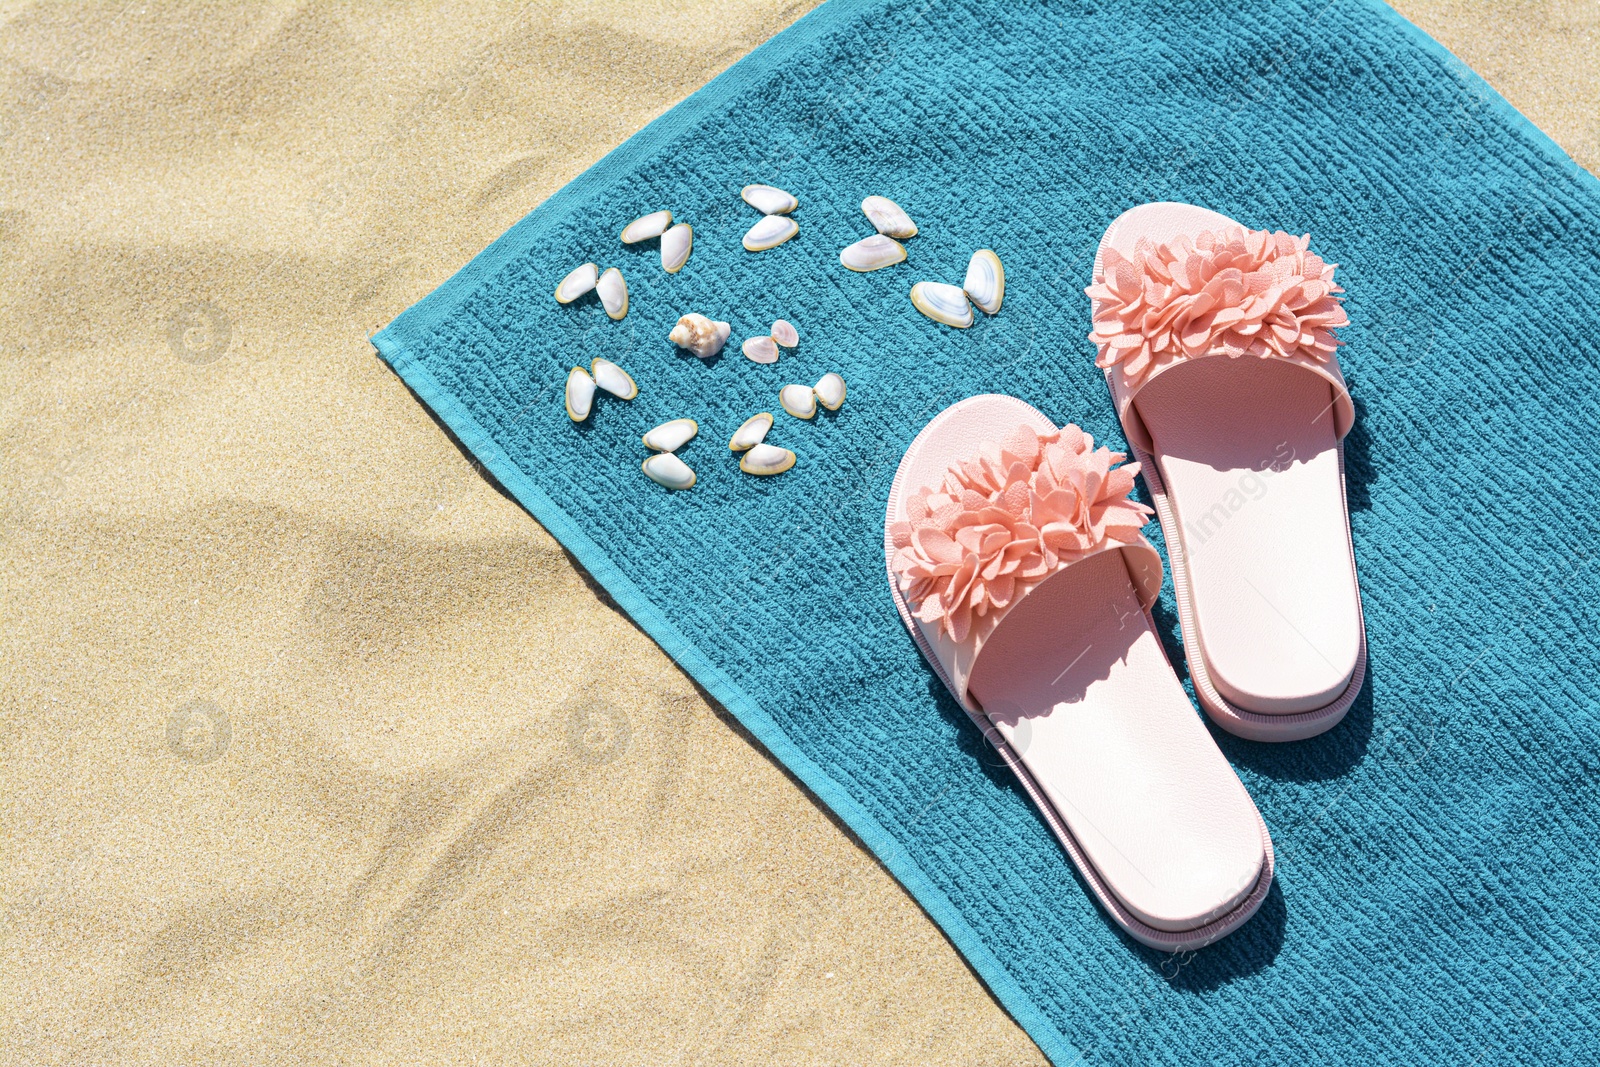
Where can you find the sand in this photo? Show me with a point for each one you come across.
(317, 749)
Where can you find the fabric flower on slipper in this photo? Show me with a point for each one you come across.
(1006, 519)
(1241, 292)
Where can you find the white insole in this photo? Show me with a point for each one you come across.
(1249, 456)
(1079, 686)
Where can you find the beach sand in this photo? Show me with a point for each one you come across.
(317, 749)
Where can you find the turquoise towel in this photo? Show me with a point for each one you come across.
(1436, 899)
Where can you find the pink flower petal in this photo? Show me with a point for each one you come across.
(936, 545)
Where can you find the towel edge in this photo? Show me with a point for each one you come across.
(888, 850)
(1516, 120)
(747, 71)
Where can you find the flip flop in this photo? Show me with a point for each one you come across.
(1244, 456)
(1015, 560)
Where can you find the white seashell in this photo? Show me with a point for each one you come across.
(798, 400)
(580, 394)
(873, 253)
(676, 244)
(700, 335)
(646, 226)
(770, 232)
(613, 379)
(613, 293)
(986, 281)
(671, 436)
(830, 391)
(761, 350)
(766, 459)
(751, 432)
(575, 284)
(666, 469)
(942, 303)
(888, 218)
(768, 199)
(785, 334)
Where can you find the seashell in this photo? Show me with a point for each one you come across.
(613, 379)
(666, 469)
(761, 350)
(613, 293)
(785, 334)
(768, 199)
(671, 436)
(580, 394)
(830, 391)
(943, 303)
(873, 253)
(766, 459)
(646, 226)
(676, 245)
(888, 218)
(798, 400)
(575, 284)
(770, 232)
(751, 432)
(700, 335)
(986, 281)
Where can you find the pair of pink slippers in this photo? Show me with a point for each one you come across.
(1016, 560)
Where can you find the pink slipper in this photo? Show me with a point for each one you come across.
(1243, 455)
(1015, 559)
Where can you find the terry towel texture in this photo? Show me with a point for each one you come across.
(1435, 898)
